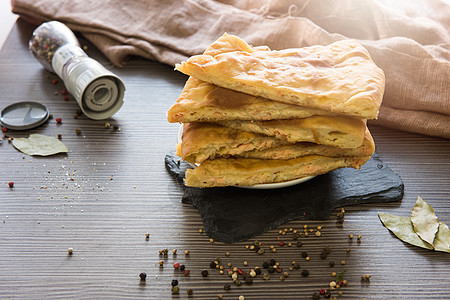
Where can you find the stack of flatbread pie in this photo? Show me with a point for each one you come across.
(252, 115)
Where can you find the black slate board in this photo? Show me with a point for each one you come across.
(231, 214)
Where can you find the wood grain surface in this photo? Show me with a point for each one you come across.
(112, 188)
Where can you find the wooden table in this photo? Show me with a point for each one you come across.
(112, 188)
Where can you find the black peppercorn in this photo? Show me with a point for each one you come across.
(205, 273)
(212, 265)
(316, 296)
(265, 265)
(271, 269)
(327, 250)
(258, 271)
(182, 267)
(305, 273)
(299, 244)
(272, 262)
(248, 280)
(327, 294)
(226, 287)
(296, 266)
(323, 255)
(143, 276)
(304, 254)
(190, 292)
(331, 263)
(174, 282)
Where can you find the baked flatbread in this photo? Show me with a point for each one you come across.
(201, 101)
(201, 141)
(340, 77)
(333, 131)
(245, 172)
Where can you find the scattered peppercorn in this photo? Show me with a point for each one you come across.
(143, 276)
(107, 125)
(4, 129)
(174, 282)
(75, 116)
(305, 273)
(271, 269)
(190, 292)
(299, 244)
(64, 92)
(227, 287)
(54, 81)
(11, 184)
(204, 273)
(304, 254)
(186, 272)
(316, 296)
(66, 98)
(78, 131)
(331, 263)
(176, 265)
(59, 136)
(182, 267)
(58, 120)
(212, 264)
(265, 265)
(342, 262)
(175, 289)
(323, 255)
(266, 276)
(186, 252)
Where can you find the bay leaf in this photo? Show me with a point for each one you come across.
(403, 228)
(38, 144)
(424, 220)
(442, 239)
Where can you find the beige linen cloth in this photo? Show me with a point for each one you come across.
(408, 39)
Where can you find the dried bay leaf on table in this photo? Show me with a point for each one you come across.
(424, 221)
(38, 144)
(403, 228)
(442, 239)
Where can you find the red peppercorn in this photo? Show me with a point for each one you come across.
(322, 291)
(58, 120)
(281, 244)
(339, 282)
(176, 265)
(11, 184)
(4, 129)
(66, 98)
(186, 272)
(64, 92)
(54, 81)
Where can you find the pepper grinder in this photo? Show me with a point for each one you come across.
(98, 91)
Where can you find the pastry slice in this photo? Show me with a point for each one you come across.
(201, 101)
(340, 77)
(245, 171)
(201, 141)
(304, 149)
(339, 132)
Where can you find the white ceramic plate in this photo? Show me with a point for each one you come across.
(276, 185)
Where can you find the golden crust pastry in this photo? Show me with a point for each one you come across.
(340, 77)
(334, 131)
(201, 101)
(201, 141)
(245, 172)
(304, 149)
